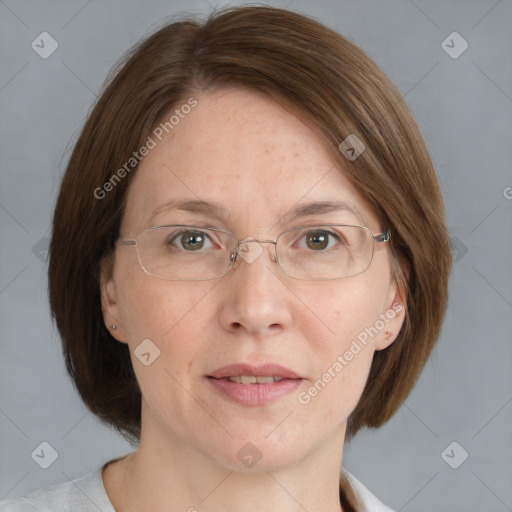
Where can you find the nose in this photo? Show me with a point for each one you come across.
(255, 301)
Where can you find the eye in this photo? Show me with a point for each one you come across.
(319, 240)
(190, 240)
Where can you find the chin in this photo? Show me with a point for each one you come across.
(263, 452)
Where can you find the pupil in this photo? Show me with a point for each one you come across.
(194, 241)
(317, 240)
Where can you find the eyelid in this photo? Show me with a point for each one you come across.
(184, 229)
(318, 226)
(303, 231)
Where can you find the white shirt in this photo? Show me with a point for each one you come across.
(88, 494)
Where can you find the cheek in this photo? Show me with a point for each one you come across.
(344, 310)
(343, 351)
(172, 315)
(174, 318)
(339, 381)
(153, 307)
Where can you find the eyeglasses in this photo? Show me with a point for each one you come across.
(313, 253)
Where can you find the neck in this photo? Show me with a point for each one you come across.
(165, 471)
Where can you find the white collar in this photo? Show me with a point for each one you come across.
(359, 496)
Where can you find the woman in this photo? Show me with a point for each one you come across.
(249, 263)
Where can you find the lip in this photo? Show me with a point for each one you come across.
(254, 394)
(270, 369)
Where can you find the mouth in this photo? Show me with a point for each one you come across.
(249, 372)
(251, 379)
(254, 386)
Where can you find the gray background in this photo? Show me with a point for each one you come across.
(464, 107)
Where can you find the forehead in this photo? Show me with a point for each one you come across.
(243, 151)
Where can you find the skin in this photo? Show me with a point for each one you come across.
(258, 160)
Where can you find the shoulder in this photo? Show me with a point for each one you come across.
(363, 499)
(82, 495)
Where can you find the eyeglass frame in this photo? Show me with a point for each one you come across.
(383, 237)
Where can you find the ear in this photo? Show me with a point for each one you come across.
(109, 306)
(392, 317)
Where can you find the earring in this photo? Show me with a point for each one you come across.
(388, 335)
(114, 327)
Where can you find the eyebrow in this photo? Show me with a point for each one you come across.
(213, 209)
(321, 208)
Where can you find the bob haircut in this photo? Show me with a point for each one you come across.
(339, 91)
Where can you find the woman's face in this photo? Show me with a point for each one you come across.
(260, 163)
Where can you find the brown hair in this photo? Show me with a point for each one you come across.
(341, 91)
